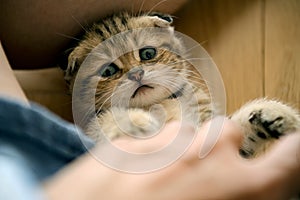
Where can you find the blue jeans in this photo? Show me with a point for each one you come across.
(34, 145)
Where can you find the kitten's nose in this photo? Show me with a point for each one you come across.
(136, 74)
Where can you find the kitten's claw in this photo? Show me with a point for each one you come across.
(272, 127)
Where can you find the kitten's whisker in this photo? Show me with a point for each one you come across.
(175, 62)
(103, 103)
(85, 117)
(203, 58)
(196, 73)
(70, 49)
(191, 76)
(166, 83)
(198, 84)
(77, 21)
(203, 42)
(141, 7)
(191, 48)
(186, 61)
(157, 4)
(108, 98)
(103, 90)
(103, 99)
(67, 36)
(187, 73)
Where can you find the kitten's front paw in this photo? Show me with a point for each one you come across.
(140, 123)
(263, 122)
(266, 123)
(118, 122)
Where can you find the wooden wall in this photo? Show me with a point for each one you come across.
(255, 44)
(48, 88)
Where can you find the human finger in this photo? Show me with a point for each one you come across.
(165, 137)
(219, 136)
(282, 163)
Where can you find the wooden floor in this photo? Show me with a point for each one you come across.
(255, 44)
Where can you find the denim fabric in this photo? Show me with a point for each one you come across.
(44, 141)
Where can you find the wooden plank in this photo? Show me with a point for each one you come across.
(231, 31)
(283, 50)
(48, 88)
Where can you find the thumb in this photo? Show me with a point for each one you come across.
(283, 162)
(221, 135)
(286, 154)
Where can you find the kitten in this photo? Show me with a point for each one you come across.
(134, 91)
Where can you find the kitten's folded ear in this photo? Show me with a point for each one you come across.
(161, 19)
(72, 68)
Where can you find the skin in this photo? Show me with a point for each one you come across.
(223, 170)
(9, 86)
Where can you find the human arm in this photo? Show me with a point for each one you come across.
(9, 85)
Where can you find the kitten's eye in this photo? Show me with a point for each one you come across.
(147, 53)
(108, 70)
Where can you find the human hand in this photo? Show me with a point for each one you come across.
(222, 174)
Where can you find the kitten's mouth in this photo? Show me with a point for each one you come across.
(142, 89)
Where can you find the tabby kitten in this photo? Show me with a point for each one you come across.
(134, 91)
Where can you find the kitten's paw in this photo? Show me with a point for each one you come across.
(263, 122)
(140, 123)
(118, 122)
(268, 125)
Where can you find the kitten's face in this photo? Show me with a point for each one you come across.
(137, 68)
(140, 78)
